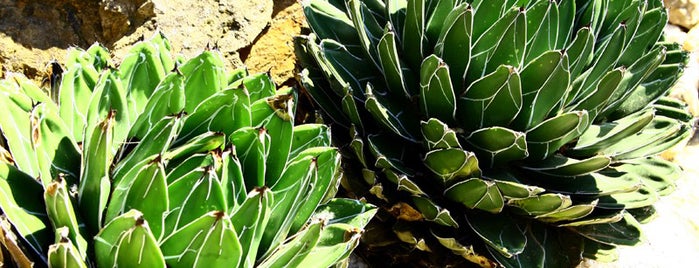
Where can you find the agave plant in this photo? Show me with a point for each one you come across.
(168, 163)
(515, 132)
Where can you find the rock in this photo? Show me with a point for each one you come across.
(274, 50)
(674, 33)
(228, 25)
(683, 12)
(118, 16)
(686, 87)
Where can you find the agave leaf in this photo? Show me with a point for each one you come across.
(350, 108)
(16, 128)
(652, 87)
(224, 112)
(642, 197)
(453, 42)
(193, 163)
(391, 115)
(551, 135)
(398, 80)
(436, 15)
(232, 182)
(10, 246)
(498, 145)
(598, 137)
(100, 57)
(75, 91)
(356, 71)
(208, 241)
(603, 183)
(341, 235)
(541, 204)
(141, 71)
(438, 135)
(18, 192)
(324, 13)
(579, 54)
(252, 149)
(606, 55)
(159, 138)
(59, 208)
(598, 98)
(396, 13)
(308, 136)
(511, 186)
(288, 194)
(562, 166)
(652, 31)
(636, 72)
(493, 100)
(259, 86)
(167, 99)
(276, 115)
(434, 212)
(137, 247)
(325, 179)
(53, 147)
(108, 239)
(542, 28)
(292, 252)
(250, 221)
(545, 76)
(571, 213)
(149, 194)
(94, 187)
(467, 252)
(162, 45)
(109, 96)
(506, 236)
(660, 134)
(655, 173)
(368, 29)
(477, 193)
(413, 39)
(190, 197)
(207, 141)
(452, 164)
(403, 183)
(63, 253)
(387, 154)
(624, 232)
(204, 76)
(437, 97)
(544, 245)
(330, 107)
(486, 57)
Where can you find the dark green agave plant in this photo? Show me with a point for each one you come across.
(167, 163)
(521, 133)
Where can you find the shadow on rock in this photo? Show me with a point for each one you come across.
(63, 23)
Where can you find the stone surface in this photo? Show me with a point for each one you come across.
(118, 17)
(274, 50)
(33, 32)
(683, 12)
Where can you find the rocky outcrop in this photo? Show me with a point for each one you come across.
(118, 17)
(684, 13)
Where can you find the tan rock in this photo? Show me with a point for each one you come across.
(686, 87)
(274, 49)
(683, 12)
(691, 42)
(674, 33)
